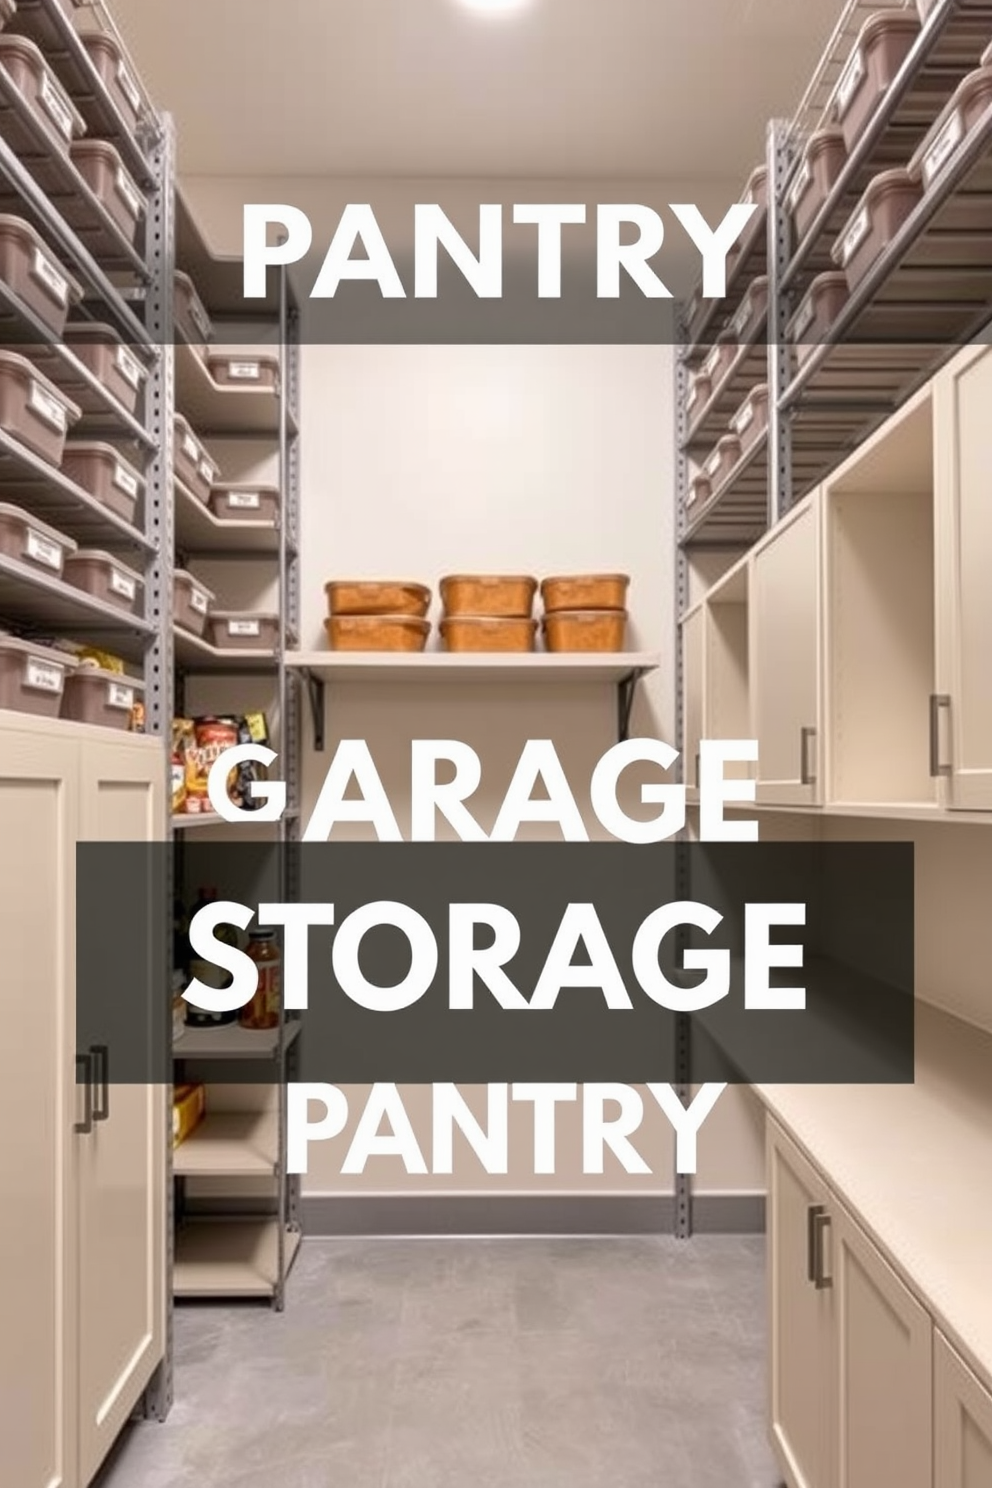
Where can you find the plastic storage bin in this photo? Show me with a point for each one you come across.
(45, 96)
(243, 630)
(970, 101)
(750, 314)
(33, 409)
(106, 578)
(751, 419)
(585, 592)
(488, 595)
(883, 44)
(194, 467)
(719, 360)
(586, 630)
(106, 475)
(376, 633)
(245, 503)
(823, 159)
(32, 677)
(24, 537)
(881, 212)
(700, 490)
(360, 597)
(100, 349)
(722, 461)
(31, 270)
(488, 633)
(120, 82)
(106, 699)
(242, 370)
(700, 392)
(812, 322)
(192, 320)
(191, 602)
(102, 168)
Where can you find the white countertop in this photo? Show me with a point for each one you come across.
(913, 1163)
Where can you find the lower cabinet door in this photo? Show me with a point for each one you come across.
(801, 1322)
(884, 1342)
(962, 1423)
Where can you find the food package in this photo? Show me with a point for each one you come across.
(197, 743)
(102, 661)
(180, 737)
(209, 739)
(189, 1104)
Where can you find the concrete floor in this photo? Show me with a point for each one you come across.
(536, 1363)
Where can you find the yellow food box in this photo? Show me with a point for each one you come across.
(189, 1103)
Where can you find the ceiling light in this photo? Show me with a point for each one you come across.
(494, 7)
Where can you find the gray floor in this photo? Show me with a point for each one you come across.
(531, 1363)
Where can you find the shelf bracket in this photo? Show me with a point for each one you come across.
(315, 692)
(626, 692)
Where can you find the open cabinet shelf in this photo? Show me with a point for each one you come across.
(230, 1258)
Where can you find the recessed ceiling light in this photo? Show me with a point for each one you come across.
(494, 7)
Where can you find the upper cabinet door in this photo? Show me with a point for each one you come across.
(785, 673)
(962, 708)
(962, 1423)
(38, 1104)
(121, 1174)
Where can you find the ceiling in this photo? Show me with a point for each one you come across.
(676, 89)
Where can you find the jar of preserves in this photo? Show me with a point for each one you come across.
(263, 1010)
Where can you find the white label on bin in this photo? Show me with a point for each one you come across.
(207, 471)
(244, 628)
(850, 79)
(191, 449)
(804, 317)
(943, 147)
(128, 366)
(48, 409)
(125, 480)
(713, 463)
(710, 364)
(41, 677)
(198, 601)
(244, 371)
(42, 551)
(48, 275)
(244, 500)
(119, 697)
(128, 87)
(129, 193)
(855, 236)
(55, 106)
(800, 186)
(122, 584)
(744, 418)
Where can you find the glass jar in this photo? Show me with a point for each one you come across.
(263, 1010)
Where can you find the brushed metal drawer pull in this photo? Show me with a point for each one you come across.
(938, 702)
(807, 775)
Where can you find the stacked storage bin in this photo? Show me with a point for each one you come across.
(585, 612)
(488, 612)
(372, 615)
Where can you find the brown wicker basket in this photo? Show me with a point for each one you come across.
(586, 630)
(586, 592)
(376, 633)
(387, 597)
(483, 595)
(486, 633)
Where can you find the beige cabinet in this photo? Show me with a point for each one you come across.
(962, 1423)
(962, 705)
(83, 1263)
(851, 1348)
(785, 672)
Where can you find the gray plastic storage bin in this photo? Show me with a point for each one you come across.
(45, 96)
(191, 602)
(31, 270)
(245, 502)
(883, 44)
(881, 212)
(192, 320)
(751, 419)
(105, 474)
(100, 349)
(812, 322)
(970, 101)
(106, 578)
(722, 461)
(30, 541)
(109, 60)
(243, 630)
(32, 677)
(106, 699)
(244, 370)
(750, 313)
(823, 159)
(33, 409)
(103, 170)
(195, 468)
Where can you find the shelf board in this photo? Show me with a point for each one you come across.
(233, 1042)
(48, 605)
(222, 411)
(539, 666)
(229, 1144)
(199, 531)
(47, 23)
(32, 482)
(229, 1257)
(194, 654)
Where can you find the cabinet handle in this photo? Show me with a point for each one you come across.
(806, 774)
(84, 1077)
(938, 702)
(101, 1075)
(817, 1223)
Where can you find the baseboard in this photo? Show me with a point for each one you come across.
(525, 1214)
